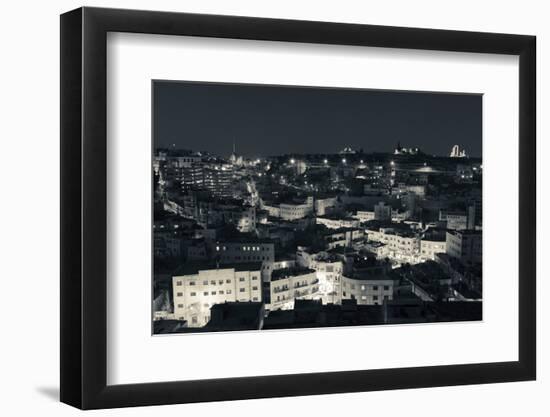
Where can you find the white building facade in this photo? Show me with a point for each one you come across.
(195, 293)
(428, 248)
(288, 285)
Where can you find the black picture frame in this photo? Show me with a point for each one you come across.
(84, 207)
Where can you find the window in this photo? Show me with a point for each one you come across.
(220, 282)
(242, 290)
(255, 299)
(205, 293)
(241, 279)
(190, 282)
(205, 283)
(254, 278)
(228, 281)
(180, 294)
(212, 282)
(386, 287)
(193, 294)
(180, 305)
(178, 283)
(213, 292)
(228, 292)
(375, 287)
(255, 288)
(220, 292)
(363, 297)
(375, 298)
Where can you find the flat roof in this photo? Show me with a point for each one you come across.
(193, 268)
(290, 272)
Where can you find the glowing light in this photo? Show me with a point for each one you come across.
(326, 161)
(392, 163)
(344, 160)
(293, 161)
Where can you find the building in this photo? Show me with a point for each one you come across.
(215, 178)
(401, 245)
(236, 316)
(456, 152)
(242, 217)
(248, 250)
(292, 283)
(344, 237)
(429, 247)
(294, 211)
(324, 206)
(329, 271)
(197, 287)
(382, 212)
(456, 220)
(338, 222)
(379, 249)
(280, 262)
(465, 245)
(328, 268)
(364, 215)
(369, 286)
(245, 251)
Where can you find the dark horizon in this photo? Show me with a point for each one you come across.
(306, 120)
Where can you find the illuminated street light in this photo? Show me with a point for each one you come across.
(344, 160)
(292, 161)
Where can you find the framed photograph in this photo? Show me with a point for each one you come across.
(257, 208)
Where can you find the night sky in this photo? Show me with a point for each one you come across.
(274, 120)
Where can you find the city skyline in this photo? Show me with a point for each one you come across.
(286, 221)
(293, 120)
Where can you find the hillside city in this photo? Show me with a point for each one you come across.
(315, 240)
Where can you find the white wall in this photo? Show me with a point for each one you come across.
(30, 173)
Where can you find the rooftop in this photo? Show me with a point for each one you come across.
(290, 272)
(193, 268)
